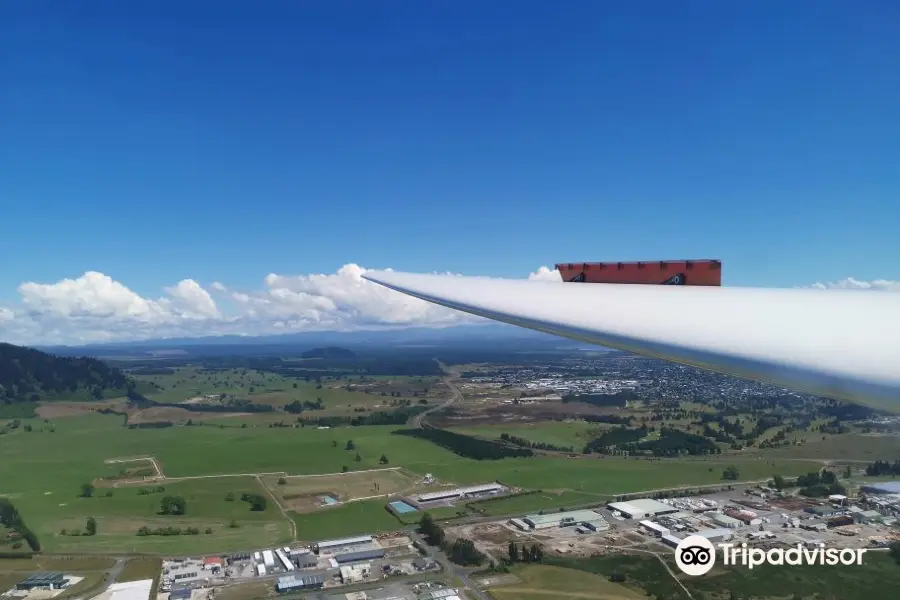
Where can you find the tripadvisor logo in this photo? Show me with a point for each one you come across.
(696, 555)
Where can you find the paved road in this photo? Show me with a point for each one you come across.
(456, 394)
(461, 573)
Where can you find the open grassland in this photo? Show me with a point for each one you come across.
(529, 503)
(365, 516)
(557, 433)
(303, 493)
(542, 582)
(189, 384)
(877, 577)
(848, 447)
(42, 471)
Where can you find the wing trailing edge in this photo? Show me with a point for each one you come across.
(841, 344)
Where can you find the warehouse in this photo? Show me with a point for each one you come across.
(304, 560)
(715, 535)
(725, 521)
(566, 519)
(362, 555)
(475, 490)
(180, 594)
(642, 508)
(886, 487)
(824, 511)
(291, 583)
(336, 545)
(655, 528)
(53, 581)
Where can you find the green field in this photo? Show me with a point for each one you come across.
(42, 471)
(540, 582)
(557, 433)
(877, 577)
(366, 516)
(277, 390)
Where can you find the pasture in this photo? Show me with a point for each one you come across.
(42, 471)
(191, 384)
(557, 433)
(303, 493)
(539, 582)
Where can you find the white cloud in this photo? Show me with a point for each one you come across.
(96, 308)
(880, 285)
(546, 274)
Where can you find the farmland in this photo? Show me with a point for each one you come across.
(205, 463)
(538, 582)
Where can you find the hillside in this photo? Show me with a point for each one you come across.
(28, 375)
(331, 353)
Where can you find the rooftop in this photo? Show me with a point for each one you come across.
(647, 505)
(37, 579)
(577, 516)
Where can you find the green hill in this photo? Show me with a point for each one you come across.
(28, 376)
(331, 353)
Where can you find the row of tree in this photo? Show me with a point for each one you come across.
(462, 551)
(466, 445)
(525, 553)
(523, 443)
(12, 520)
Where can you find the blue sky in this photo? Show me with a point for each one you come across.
(221, 141)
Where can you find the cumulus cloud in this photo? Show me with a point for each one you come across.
(879, 285)
(545, 274)
(96, 308)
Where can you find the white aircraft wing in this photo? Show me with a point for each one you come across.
(842, 344)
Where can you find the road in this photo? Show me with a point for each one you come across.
(461, 573)
(455, 395)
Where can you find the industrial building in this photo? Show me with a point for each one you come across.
(725, 521)
(475, 490)
(53, 581)
(336, 545)
(304, 560)
(443, 594)
(885, 487)
(362, 555)
(655, 528)
(355, 573)
(642, 508)
(290, 583)
(824, 511)
(180, 594)
(566, 519)
(715, 535)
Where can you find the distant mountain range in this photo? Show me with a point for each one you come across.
(489, 335)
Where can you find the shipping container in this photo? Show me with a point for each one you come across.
(666, 272)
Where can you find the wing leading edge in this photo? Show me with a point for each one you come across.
(836, 343)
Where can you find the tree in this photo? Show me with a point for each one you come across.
(383, 460)
(513, 552)
(90, 527)
(358, 457)
(895, 551)
(350, 445)
(344, 469)
(229, 497)
(848, 472)
(87, 490)
(731, 472)
(334, 443)
(282, 481)
(172, 505)
(779, 483)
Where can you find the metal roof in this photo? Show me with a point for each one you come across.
(349, 557)
(644, 505)
(577, 516)
(45, 578)
(301, 580)
(475, 489)
(345, 541)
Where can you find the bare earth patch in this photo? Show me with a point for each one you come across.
(59, 410)
(166, 413)
(303, 493)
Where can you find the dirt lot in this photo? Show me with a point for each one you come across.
(303, 493)
(58, 410)
(494, 538)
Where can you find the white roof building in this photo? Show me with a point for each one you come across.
(642, 508)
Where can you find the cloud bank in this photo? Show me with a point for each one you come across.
(96, 308)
